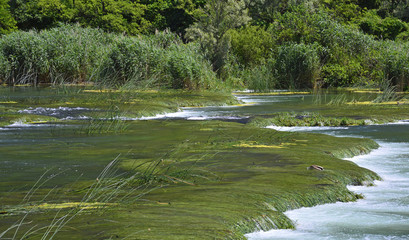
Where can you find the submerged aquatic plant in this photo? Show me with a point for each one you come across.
(110, 188)
(388, 93)
(305, 119)
(340, 99)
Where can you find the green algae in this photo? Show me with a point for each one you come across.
(340, 109)
(137, 103)
(210, 180)
(305, 119)
(227, 189)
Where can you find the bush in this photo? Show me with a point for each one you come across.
(131, 61)
(296, 66)
(252, 45)
(25, 55)
(336, 75)
(63, 54)
(162, 61)
(395, 63)
(387, 28)
(259, 78)
(71, 54)
(74, 52)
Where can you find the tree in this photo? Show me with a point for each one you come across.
(40, 14)
(7, 22)
(170, 14)
(111, 15)
(213, 22)
(263, 11)
(251, 44)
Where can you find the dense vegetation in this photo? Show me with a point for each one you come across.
(261, 45)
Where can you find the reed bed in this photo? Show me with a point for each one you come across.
(71, 54)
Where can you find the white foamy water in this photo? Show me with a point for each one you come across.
(60, 112)
(190, 114)
(383, 214)
(304, 129)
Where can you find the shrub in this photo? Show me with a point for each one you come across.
(251, 44)
(71, 54)
(130, 60)
(26, 56)
(162, 61)
(63, 54)
(395, 63)
(336, 75)
(296, 66)
(387, 28)
(259, 78)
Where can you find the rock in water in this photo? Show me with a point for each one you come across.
(315, 167)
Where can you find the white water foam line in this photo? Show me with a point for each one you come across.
(401, 122)
(52, 111)
(304, 129)
(19, 124)
(185, 113)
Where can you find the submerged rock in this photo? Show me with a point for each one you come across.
(315, 167)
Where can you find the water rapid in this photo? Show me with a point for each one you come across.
(382, 214)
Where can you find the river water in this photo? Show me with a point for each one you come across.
(382, 214)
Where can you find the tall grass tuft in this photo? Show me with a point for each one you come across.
(388, 92)
(111, 188)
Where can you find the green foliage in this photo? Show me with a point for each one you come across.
(305, 119)
(215, 20)
(394, 62)
(173, 15)
(395, 8)
(64, 54)
(26, 57)
(40, 14)
(343, 10)
(296, 66)
(156, 62)
(113, 16)
(299, 24)
(264, 12)
(388, 28)
(251, 44)
(71, 54)
(336, 75)
(259, 78)
(7, 22)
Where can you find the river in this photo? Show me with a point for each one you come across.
(382, 214)
(384, 211)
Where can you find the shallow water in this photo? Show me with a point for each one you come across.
(383, 214)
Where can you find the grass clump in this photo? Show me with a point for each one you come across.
(287, 119)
